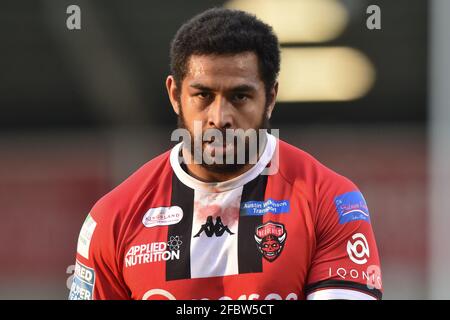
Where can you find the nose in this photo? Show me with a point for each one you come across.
(219, 115)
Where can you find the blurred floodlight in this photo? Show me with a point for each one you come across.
(324, 74)
(298, 20)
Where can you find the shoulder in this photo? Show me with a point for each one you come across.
(116, 203)
(103, 230)
(300, 168)
(325, 190)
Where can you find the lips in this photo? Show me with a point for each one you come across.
(222, 148)
(215, 144)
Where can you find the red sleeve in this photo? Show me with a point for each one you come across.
(346, 263)
(96, 273)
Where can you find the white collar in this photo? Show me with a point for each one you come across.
(234, 183)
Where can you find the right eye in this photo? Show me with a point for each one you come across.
(203, 95)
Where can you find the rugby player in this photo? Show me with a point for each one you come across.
(278, 225)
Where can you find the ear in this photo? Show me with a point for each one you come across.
(172, 91)
(273, 99)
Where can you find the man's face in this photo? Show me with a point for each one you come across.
(223, 92)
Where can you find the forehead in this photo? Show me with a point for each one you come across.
(221, 71)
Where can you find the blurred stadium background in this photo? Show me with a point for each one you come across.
(81, 110)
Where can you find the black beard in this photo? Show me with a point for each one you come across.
(227, 167)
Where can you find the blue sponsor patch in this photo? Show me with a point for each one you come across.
(351, 206)
(259, 208)
(83, 283)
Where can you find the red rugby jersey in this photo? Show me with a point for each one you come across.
(297, 231)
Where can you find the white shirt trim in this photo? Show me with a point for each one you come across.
(347, 294)
(236, 182)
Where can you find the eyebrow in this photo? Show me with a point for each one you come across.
(239, 88)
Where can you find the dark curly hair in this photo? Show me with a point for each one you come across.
(225, 31)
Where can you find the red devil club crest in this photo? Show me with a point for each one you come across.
(270, 238)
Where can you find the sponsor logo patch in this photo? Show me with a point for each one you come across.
(83, 283)
(371, 275)
(84, 239)
(270, 239)
(153, 252)
(161, 294)
(260, 208)
(358, 249)
(351, 206)
(210, 228)
(162, 216)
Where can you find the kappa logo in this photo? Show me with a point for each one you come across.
(162, 216)
(270, 238)
(211, 228)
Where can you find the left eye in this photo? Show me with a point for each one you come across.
(239, 97)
